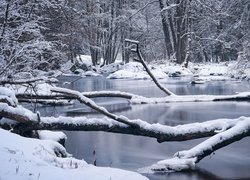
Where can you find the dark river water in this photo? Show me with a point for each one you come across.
(133, 152)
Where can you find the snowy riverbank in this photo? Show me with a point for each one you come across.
(25, 158)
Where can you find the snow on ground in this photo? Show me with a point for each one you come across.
(86, 59)
(173, 69)
(135, 70)
(213, 69)
(25, 158)
(111, 68)
(202, 72)
(91, 73)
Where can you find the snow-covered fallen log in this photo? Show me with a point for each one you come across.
(184, 160)
(29, 81)
(29, 121)
(92, 94)
(8, 96)
(161, 132)
(243, 96)
(56, 99)
(19, 113)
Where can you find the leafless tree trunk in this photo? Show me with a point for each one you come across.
(165, 30)
(5, 22)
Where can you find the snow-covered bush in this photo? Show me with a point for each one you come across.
(242, 67)
(23, 44)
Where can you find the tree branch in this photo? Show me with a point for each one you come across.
(28, 81)
(93, 94)
(184, 160)
(141, 60)
(18, 113)
(29, 121)
(83, 99)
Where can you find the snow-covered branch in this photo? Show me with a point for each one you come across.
(141, 60)
(187, 159)
(29, 121)
(18, 113)
(28, 81)
(243, 96)
(169, 7)
(92, 94)
(83, 99)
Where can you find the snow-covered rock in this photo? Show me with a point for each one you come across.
(91, 73)
(111, 68)
(124, 74)
(213, 69)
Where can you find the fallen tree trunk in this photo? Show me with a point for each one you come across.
(30, 121)
(18, 114)
(94, 94)
(5, 99)
(236, 133)
(245, 96)
(184, 160)
(28, 81)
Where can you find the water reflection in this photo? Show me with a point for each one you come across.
(186, 175)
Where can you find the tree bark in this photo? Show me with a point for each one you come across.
(6, 14)
(165, 30)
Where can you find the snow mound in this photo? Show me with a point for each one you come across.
(91, 73)
(111, 68)
(133, 67)
(135, 70)
(177, 71)
(211, 69)
(9, 95)
(124, 74)
(86, 59)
